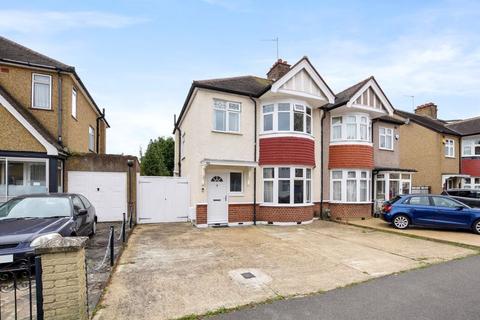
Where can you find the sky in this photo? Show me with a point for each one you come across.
(138, 58)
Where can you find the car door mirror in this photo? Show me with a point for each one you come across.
(82, 212)
(459, 208)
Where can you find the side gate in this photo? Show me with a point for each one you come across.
(162, 199)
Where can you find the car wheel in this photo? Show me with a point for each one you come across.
(94, 229)
(401, 222)
(476, 227)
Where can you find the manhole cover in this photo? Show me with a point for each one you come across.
(248, 275)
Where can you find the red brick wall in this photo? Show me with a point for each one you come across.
(240, 212)
(343, 211)
(350, 156)
(287, 150)
(471, 167)
(285, 214)
(201, 214)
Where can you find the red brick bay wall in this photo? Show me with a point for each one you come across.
(342, 211)
(287, 150)
(350, 156)
(471, 167)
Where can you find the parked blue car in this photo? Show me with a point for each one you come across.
(430, 211)
(27, 222)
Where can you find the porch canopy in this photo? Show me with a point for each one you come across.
(226, 163)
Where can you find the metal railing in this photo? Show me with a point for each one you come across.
(18, 280)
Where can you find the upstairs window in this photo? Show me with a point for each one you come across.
(91, 139)
(351, 128)
(226, 116)
(449, 148)
(471, 147)
(41, 91)
(287, 117)
(386, 138)
(74, 103)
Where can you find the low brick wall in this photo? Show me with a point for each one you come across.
(244, 213)
(64, 279)
(344, 211)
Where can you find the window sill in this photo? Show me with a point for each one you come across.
(350, 142)
(74, 118)
(449, 157)
(286, 134)
(357, 202)
(42, 109)
(228, 132)
(236, 194)
(386, 149)
(266, 204)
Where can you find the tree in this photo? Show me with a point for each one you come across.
(159, 157)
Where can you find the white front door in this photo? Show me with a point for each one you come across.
(217, 211)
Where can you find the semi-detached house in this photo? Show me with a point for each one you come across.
(282, 149)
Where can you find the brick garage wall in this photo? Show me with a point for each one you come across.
(287, 150)
(350, 156)
(201, 211)
(343, 211)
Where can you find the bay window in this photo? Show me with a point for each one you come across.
(471, 147)
(287, 185)
(352, 127)
(350, 186)
(386, 138)
(226, 116)
(389, 185)
(287, 117)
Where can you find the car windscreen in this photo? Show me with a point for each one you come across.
(35, 207)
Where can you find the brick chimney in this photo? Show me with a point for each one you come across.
(428, 109)
(278, 70)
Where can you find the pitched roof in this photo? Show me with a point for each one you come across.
(466, 127)
(389, 119)
(244, 85)
(344, 96)
(11, 51)
(433, 124)
(31, 119)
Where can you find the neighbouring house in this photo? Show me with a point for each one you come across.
(46, 114)
(470, 150)
(432, 147)
(282, 149)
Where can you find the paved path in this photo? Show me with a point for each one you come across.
(441, 292)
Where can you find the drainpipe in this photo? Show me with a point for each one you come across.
(60, 109)
(324, 115)
(179, 145)
(374, 172)
(102, 117)
(255, 160)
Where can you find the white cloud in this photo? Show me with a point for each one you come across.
(56, 21)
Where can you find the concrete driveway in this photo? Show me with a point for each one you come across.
(456, 236)
(173, 270)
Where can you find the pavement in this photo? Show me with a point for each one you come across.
(175, 270)
(441, 292)
(454, 236)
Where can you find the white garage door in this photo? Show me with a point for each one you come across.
(107, 191)
(162, 199)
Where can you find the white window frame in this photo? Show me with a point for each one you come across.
(235, 193)
(74, 103)
(294, 107)
(449, 148)
(227, 109)
(358, 125)
(26, 172)
(471, 143)
(386, 178)
(388, 134)
(49, 95)
(292, 179)
(343, 190)
(91, 134)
